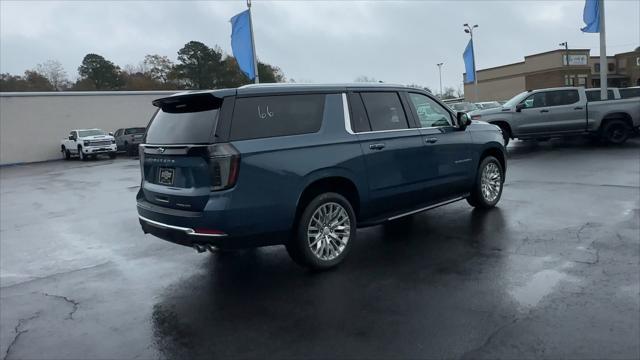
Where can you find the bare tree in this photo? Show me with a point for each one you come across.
(363, 78)
(53, 71)
(448, 93)
(159, 67)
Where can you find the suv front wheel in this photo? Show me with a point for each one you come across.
(324, 233)
(487, 189)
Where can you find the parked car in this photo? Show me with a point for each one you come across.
(488, 105)
(630, 92)
(86, 143)
(463, 106)
(128, 139)
(305, 166)
(563, 111)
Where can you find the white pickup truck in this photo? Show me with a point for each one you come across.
(545, 113)
(87, 143)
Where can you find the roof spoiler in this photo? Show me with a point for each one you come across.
(188, 103)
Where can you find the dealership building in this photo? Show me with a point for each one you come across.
(551, 69)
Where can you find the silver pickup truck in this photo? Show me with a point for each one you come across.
(563, 111)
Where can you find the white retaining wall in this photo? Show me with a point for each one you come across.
(32, 125)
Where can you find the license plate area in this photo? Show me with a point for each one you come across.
(166, 175)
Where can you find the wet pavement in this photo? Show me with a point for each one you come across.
(553, 272)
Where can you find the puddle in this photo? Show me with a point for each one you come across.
(540, 285)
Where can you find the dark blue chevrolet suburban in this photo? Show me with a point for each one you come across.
(305, 165)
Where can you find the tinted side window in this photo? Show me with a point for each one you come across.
(359, 121)
(629, 93)
(385, 111)
(429, 112)
(595, 95)
(562, 97)
(269, 116)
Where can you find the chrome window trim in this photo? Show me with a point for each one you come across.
(385, 131)
(188, 231)
(349, 129)
(347, 116)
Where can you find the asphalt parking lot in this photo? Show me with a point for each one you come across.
(553, 272)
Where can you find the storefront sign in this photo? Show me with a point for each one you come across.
(575, 59)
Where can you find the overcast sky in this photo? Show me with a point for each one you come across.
(311, 41)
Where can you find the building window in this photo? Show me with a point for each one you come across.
(611, 67)
(582, 80)
(596, 67)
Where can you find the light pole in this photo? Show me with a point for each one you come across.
(440, 73)
(566, 59)
(469, 30)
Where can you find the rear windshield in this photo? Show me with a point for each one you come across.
(134, 131)
(187, 119)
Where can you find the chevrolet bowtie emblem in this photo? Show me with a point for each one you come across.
(161, 150)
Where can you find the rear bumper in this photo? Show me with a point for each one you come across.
(165, 226)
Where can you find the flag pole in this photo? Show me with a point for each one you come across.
(253, 45)
(604, 64)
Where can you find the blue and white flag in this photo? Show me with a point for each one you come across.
(242, 43)
(591, 16)
(469, 63)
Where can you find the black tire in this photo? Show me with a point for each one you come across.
(66, 153)
(81, 155)
(299, 246)
(484, 200)
(112, 155)
(506, 134)
(616, 132)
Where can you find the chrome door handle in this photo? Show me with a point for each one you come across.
(431, 140)
(577, 108)
(544, 111)
(376, 146)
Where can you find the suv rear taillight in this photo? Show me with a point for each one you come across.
(224, 161)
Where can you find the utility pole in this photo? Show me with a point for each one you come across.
(469, 30)
(440, 73)
(253, 44)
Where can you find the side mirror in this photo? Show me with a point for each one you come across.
(70, 137)
(519, 107)
(111, 133)
(463, 120)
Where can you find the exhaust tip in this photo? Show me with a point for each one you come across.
(199, 248)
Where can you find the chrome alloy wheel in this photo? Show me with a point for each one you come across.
(491, 182)
(328, 231)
